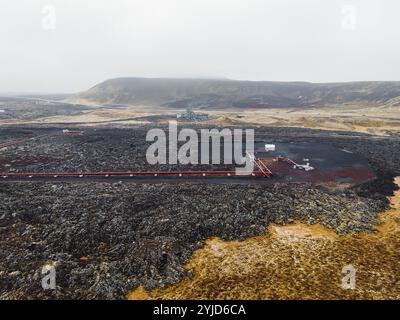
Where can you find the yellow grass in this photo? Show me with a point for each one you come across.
(297, 261)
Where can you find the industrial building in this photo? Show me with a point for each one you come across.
(189, 114)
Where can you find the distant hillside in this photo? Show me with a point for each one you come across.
(207, 93)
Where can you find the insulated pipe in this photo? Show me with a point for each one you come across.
(126, 173)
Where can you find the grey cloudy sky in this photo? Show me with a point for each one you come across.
(70, 45)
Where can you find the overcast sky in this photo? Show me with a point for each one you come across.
(71, 45)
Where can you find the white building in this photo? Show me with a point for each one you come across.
(270, 147)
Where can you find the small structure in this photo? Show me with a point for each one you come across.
(190, 115)
(305, 167)
(270, 147)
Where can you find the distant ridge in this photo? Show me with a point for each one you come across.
(224, 93)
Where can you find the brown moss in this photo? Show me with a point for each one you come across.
(294, 262)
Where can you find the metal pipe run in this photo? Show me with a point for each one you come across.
(126, 173)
